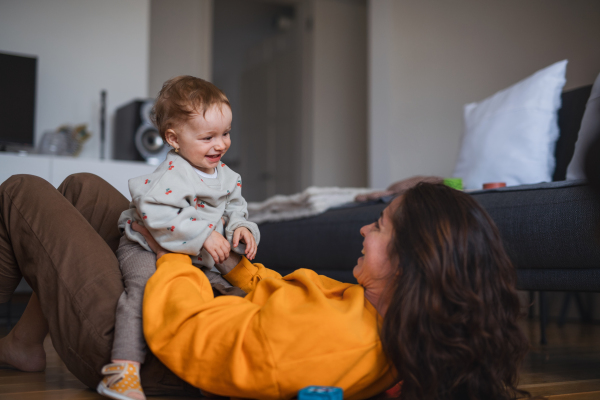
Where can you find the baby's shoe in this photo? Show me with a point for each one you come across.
(122, 382)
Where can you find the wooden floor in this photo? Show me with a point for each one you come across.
(567, 368)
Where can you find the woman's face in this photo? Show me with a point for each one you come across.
(375, 266)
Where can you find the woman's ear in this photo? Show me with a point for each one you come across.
(171, 138)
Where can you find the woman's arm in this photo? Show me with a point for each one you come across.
(215, 344)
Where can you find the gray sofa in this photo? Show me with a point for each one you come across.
(549, 229)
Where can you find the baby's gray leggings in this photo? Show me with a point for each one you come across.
(137, 266)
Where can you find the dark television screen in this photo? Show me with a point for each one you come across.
(17, 99)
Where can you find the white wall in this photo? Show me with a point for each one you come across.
(83, 46)
(180, 40)
(339, 93)
(428, 58)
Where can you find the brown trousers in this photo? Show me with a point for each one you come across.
(63, 243)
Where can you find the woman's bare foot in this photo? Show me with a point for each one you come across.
(19, 354)
(23, 347)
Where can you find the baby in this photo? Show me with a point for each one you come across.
(191, 204)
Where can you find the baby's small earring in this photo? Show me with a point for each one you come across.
(176, 149)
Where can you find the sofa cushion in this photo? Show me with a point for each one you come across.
(511, 136)
(569, 123)
(590, 129)
(547, 226)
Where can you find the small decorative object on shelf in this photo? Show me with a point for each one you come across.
(67, 140)
(321, 393)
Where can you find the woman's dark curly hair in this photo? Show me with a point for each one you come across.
(451, 326)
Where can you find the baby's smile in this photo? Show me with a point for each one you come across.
(214, 157)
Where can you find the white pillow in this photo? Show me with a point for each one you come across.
(589, 130)
(510, 137)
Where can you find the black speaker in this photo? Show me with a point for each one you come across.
(135, 137)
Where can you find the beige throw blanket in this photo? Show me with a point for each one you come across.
(312, 201)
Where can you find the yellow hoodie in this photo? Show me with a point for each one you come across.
(287, 333)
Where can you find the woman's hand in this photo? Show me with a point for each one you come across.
(151, 242)
(217, 246)
(245, 236)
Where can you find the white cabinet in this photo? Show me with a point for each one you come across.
(11, 164)
(56, 169)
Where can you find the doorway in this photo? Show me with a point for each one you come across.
(257, 62)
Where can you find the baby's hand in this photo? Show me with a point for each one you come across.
(217, 246)
(244, 235)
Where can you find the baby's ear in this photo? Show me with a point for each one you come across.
(171, 138)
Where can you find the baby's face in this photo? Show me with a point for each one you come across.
(203, 140)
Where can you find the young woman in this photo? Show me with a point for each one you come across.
(435, 306)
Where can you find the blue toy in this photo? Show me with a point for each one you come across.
(321, 393)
